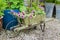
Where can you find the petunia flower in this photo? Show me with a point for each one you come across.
(23, 13)
(30, 16)
(19, 14)
(23, 16)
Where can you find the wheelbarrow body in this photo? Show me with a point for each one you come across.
(31, 22)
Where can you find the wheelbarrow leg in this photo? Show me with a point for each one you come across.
(35, 27)
(42, 25)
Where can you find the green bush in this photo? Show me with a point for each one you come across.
(3, 5)
(50, 1)
(16, 4)
(57, 1)
(35, 8)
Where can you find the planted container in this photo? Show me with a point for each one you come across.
(57, 2)
(49, 5)
(9, 20)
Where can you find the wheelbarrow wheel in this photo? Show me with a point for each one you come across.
(11, 33)
(35, 27)
(42, 25)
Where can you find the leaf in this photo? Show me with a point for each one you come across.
(22, 8)
(1, 14)
(13, 6)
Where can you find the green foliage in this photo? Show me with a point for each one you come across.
(37, 9)
(42, 3)
(57, 1)
(16, 4)
(22, 8)
(3, 5)
(51, 1)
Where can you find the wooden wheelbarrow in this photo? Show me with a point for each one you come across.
(28, 24)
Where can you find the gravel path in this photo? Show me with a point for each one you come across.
(52, 32)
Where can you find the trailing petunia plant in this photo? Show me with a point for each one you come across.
(25, 11)
(37, 9)
(34, 10)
